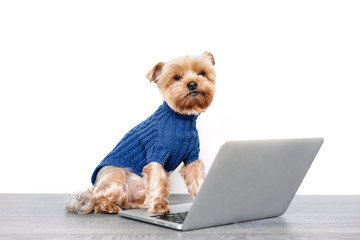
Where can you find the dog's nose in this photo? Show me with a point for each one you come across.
(192, 85)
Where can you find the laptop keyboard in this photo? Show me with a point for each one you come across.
(178, 217)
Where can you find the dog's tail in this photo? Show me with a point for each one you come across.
(81, 203)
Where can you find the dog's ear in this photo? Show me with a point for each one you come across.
(210, 57)
(154, 73)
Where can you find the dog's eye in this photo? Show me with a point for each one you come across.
(177, 78)
(202, 73)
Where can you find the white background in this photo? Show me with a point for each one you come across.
(73, 82)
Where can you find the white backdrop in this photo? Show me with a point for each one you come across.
(73, 82)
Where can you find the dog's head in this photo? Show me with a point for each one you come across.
(187, 83)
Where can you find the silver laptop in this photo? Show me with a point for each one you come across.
(248, 180)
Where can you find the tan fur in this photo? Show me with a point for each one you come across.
(194, 175)
(175, 93)
(154, 72)
(157, 188)
(116, 188)
(210, 56)
(81, 203)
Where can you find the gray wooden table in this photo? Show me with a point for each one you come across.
(42, 216)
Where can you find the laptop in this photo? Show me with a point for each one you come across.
(248, 180)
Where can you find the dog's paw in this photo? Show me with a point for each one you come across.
(107, 207)
(160, 207)
(194, 187)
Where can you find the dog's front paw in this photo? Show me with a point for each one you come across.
(194, 187)
(106, 207)
(159, 207)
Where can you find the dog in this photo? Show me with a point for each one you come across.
(135, 174)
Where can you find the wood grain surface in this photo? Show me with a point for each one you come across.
(42, 216)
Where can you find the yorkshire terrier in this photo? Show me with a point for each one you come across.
(135, 174)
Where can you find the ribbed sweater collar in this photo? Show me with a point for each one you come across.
(167, 108)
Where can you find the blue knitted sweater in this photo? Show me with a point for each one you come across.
(166, 137)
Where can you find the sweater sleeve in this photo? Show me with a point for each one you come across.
(194, 153)
(192, 157)
(157, 154)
